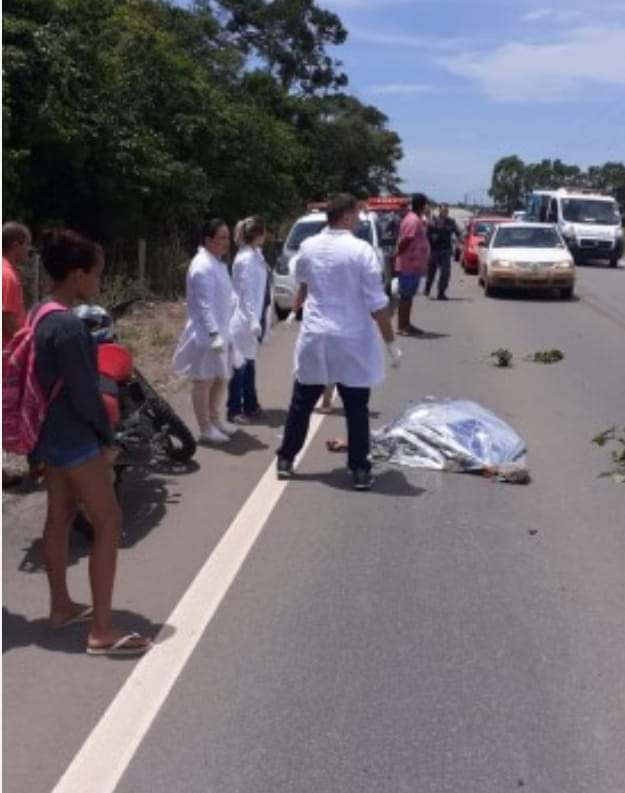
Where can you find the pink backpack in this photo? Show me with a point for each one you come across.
(24, 405)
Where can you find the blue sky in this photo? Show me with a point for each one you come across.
(466, 81)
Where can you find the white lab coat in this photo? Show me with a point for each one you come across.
(210, 306)
(249, 281)
(339, 341)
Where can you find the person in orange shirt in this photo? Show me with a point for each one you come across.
(16, 244)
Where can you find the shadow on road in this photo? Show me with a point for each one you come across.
(241, 443)
(427, 334)
(17, 631)
(144, 502)
(387, 483)
(271, 417)
(535, 296)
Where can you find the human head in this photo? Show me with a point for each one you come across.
(252, 231)
(216, 237)
(419, 203)
(73, 262)
(16, 242)
(443, 210)
(343, 211)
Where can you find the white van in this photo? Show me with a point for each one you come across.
(590, 223)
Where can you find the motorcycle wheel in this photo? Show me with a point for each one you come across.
(179, 443)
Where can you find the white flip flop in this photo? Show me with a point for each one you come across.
(120, 647)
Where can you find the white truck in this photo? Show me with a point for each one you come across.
(590, 223)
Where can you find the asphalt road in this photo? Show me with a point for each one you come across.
(442, 633)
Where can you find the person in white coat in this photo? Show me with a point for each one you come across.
(344, 299)
(205, 353)
(249, 280)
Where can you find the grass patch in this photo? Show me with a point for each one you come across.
(548, 356)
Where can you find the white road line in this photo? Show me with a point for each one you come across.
(109, 749)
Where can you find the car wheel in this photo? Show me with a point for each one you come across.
(281, 313)
(614, 262)
(567, 293)
(489, 290)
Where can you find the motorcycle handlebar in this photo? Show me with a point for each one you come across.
(119, 309)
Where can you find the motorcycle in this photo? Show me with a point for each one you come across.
(146, 427)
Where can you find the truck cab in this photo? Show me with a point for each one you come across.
(590, 223)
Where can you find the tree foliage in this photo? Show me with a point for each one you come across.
(513, 179)
(132, 118)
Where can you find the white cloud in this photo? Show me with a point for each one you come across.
(375, 4)
(542, 72)
(401, 88)
(404, 40)
(563, 16)
(537, 15)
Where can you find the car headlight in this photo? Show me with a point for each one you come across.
(618, 233)
(503, 263)
(564, 264)
(568, 231)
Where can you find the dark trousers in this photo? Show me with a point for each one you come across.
(356, 404)
(439, 260)
(242, 397)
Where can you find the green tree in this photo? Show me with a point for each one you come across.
(291, 37)
(508, 185)
(130, 118)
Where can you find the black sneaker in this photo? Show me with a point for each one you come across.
(284, 468)
(363, 479)
(443, 297)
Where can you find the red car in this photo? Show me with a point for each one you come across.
(478, 229)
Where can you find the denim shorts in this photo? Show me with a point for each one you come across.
(409, 284)
(70, 458)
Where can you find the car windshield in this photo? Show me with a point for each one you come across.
(588, 210)
(482, 229)
(527, 237)
(301, 232)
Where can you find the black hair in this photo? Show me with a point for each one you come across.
(211, 227)
(419, 202)
(340, 205)
(63, 250)
(252, 228)
(13, 232)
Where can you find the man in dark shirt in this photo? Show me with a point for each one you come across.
(440, 231)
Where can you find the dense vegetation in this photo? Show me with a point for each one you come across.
(513, 179)
(137, 118)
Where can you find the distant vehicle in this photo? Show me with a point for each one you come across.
(520, 216)
(590, 223)
(526, 256)
(284, 285)
(479, 228)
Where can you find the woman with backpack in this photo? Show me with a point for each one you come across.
(74, 443)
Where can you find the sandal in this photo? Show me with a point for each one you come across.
(122, 647)
(84, 615)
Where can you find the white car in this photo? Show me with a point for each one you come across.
(284, 285)
(526, 256)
